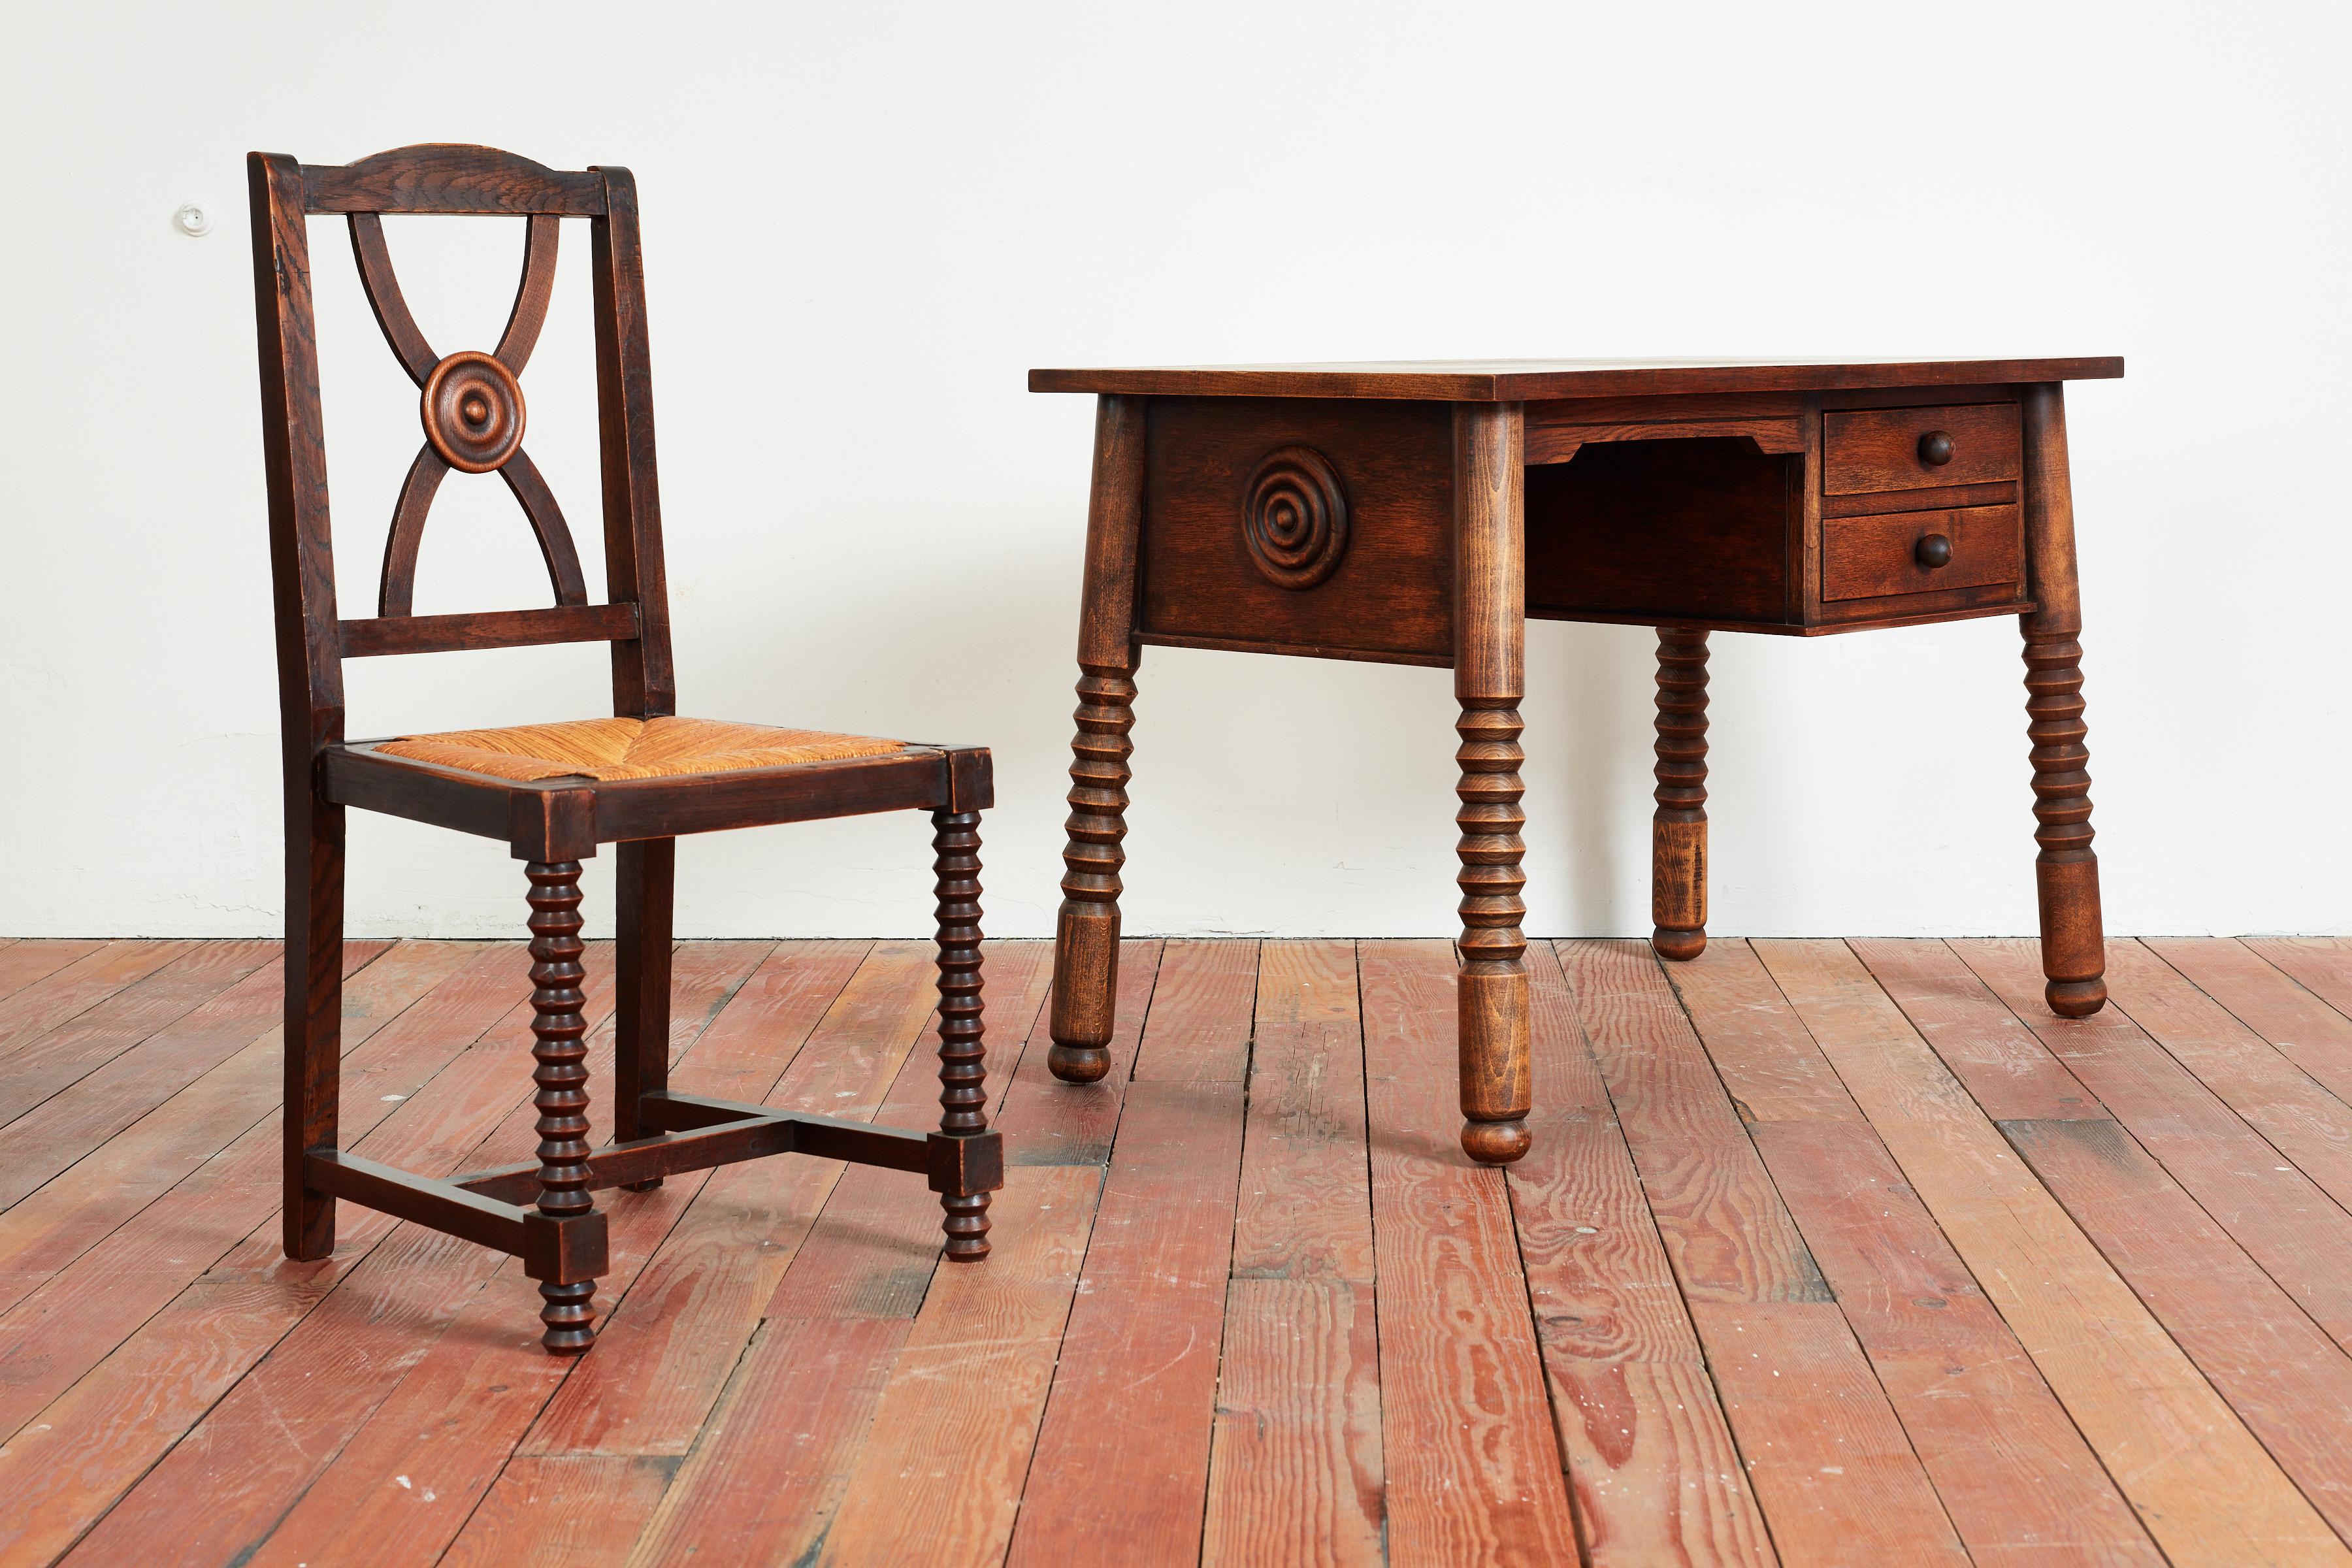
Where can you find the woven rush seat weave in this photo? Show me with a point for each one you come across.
(611, 749)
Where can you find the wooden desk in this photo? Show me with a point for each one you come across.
(1418, 513)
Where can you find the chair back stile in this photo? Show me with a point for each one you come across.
(473, 414)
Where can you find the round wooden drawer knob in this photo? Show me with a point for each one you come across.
(1934, 449)
(1933, 551)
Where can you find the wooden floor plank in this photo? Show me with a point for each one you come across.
(1134, 1393)
(1656, 1476)
(2270, 1090)
(41, 1066)
(568, 1511)
(74, 988)
(2290, 1382)
(458, 1412)
(1827, 1457)
(2299, 1235)
(2320, 964)
(26, 960)
(772, 1460)
(1473, 1466)
(89, 1257)
(2203, 1486)
(75, 1121)
(938, 1477)
(1048, 1123)
(2306, 1030)
(679, 1337)
(1724, 1228)
(113, 1427)
(1294, 1468)
(2014, 1474)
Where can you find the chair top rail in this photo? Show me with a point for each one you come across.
(452, 178)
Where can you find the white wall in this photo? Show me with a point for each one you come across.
(862, 226)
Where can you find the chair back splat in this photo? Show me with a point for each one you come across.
(474, 417)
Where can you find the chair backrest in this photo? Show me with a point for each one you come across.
(473, 414)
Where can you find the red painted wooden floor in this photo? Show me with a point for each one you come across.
(1828, 1252)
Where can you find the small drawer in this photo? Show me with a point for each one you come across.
(1921, 551)
(1917, 448)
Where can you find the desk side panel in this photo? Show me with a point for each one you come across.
(1388, 593)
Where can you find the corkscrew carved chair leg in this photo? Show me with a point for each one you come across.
(1678, 829)
(1085, 949)
(559, 1048)
(964, 1089)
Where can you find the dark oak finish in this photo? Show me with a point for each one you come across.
(1418, 513)
(1678, 827)
(475, 417)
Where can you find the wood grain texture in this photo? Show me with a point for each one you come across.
(578, 1511)
(1723, 1224)
(2271, 1086)
(1047, 1120)
(1504, 381)
(1474, 1470)
(191, 1364)
(26, 960)
(1295, 1465)
(456, 1415)
(2302, 1028)
(2278, 1214)
(76, 1119)
(1873, 556)
(2013, 1473)
(1833, 1466)
(2202, 1484)
(1388, 591)
(1885, 448)
(1135, 1390)
(2277, 1369)
(2321, 964)
(2014, 1476)
(1655, 1472)
(1297, 1471)
(824, 1030)
(939, 1476)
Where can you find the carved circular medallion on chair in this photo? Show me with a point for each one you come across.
(473, 412)
(1294, 516)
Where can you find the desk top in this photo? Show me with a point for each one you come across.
(1523, 379)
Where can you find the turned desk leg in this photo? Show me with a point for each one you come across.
(1678, 829)
(558, 1028)
(2066, 872)
(1489, 642)
(1085, 935)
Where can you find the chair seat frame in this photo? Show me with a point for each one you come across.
(541, 1211)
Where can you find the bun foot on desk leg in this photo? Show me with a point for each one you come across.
(2075, 998)
(1682, 946)
(1495, 1142)
(1079, 1063)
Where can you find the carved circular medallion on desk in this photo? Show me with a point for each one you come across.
(473, 412)
(1294, 516)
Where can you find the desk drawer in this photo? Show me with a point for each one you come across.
(1914, 449)
(1872, 557)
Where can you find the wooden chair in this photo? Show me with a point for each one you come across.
(552, 793)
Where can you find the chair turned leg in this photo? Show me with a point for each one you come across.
(1492, 1009)
(559, 1047)
(963, 1072)
(1678, 829)
(2066, 872)
(1085, 944)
